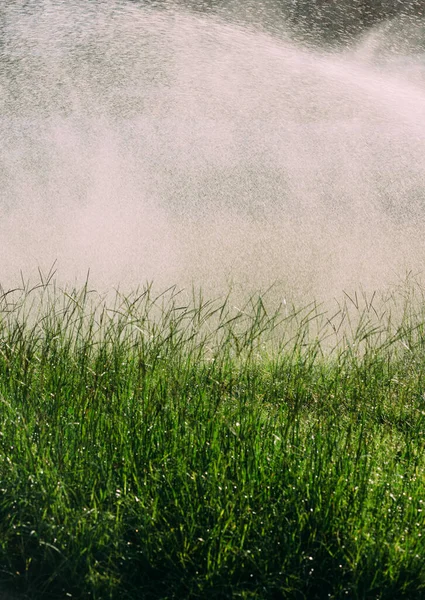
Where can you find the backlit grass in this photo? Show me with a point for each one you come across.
(166, 446)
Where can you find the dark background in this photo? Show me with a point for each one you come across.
(327, 21)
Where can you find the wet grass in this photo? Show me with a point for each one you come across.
(165, 446)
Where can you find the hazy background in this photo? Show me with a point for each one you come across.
(213, 143)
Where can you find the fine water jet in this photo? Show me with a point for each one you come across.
(150, 142)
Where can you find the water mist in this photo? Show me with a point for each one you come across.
(149, 143)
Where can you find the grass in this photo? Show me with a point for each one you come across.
(165, 446)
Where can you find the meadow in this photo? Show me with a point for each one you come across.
(177, 443)
(161, 445)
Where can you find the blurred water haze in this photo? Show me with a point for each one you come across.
(149, 142)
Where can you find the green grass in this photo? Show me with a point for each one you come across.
(172, 447)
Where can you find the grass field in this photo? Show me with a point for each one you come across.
(166, 446)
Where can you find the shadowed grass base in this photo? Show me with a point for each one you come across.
(169, 447)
